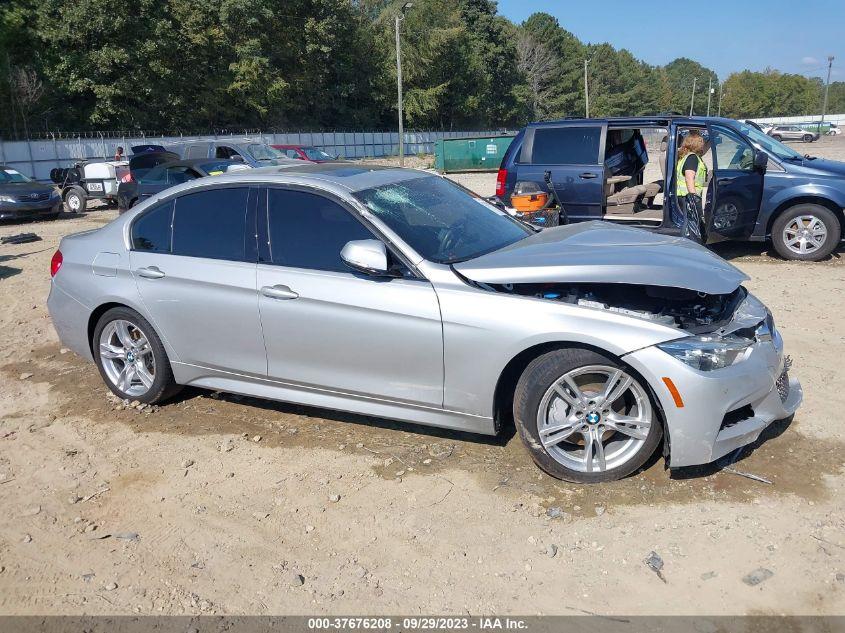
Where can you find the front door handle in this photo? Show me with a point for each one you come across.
(150, 272)
(279, 291)
(587, 175)
(724, 181)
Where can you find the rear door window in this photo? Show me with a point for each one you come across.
(211, 224)
(199, 150)
(151, 231)
(308, 231)
(570, 145)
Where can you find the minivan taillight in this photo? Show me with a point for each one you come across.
(56, 263)
(501, 177)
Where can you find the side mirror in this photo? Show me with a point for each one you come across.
(761, 161)
(366, 256)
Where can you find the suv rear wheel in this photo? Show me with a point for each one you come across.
(585, 417)
(806, 232)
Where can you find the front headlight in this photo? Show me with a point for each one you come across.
(6, 199)
(706, 353)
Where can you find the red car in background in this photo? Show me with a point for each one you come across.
(305, 152)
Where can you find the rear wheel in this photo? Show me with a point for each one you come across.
(808, 138)
(584, 417)
(76, 200)
(131, 357)
(806, 232)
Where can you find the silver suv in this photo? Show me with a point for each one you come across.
(792, 133)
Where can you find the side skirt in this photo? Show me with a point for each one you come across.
(259, 387)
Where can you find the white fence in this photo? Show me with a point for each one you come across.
(839, 119)
(37, 157)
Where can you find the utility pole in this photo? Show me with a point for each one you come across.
(399, 17)
(709, 93)
(692, 98)
(721, 91)
(826, 91)
(586, 90)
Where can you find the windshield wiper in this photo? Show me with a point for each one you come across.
(794, 157)
(808, 157)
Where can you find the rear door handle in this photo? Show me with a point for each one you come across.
(279, 291)
(587, 175)
(150, 272)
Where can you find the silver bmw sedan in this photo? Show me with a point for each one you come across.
(396, 293)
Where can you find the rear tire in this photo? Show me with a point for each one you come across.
(76, 200)
(131, 357)
(808, 138)
(584, 436)
(804, 224)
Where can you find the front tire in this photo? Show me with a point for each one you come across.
(584, 417)
(806, 232)
(777, 137)
(808, 138)
(131, 357)
(76, 200)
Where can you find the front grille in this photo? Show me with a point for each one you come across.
(782, 382)
(33, 197)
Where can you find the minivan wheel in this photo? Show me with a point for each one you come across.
(131, 357)
(585, 417)
(806, 232)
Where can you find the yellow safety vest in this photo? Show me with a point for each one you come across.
(681, 182)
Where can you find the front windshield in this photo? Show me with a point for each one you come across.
(769, 144)
(440, 221)
(315, 154)
(264, 152)
(9, 175)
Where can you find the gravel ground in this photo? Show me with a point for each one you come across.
(219, 504)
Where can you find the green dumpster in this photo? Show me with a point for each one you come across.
(470, 154)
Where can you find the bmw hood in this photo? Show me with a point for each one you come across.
(599, 252)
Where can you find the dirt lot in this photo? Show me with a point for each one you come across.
(226, 505)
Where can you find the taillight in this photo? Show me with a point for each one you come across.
(127, 177)
(501, 177)
(56, 263)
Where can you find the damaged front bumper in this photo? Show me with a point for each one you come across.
(715, 412)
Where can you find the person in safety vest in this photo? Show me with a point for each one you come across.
(690, 179)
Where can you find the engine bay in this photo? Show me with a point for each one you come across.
(694, 312)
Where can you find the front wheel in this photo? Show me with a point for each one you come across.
(76, 200)
(777, 137)
(584, 417)
(131, 357)
(806, 232)
(808, 138)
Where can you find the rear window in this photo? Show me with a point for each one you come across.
(572, 145)
(211, 224)
(151, 231)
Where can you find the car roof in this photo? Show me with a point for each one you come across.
(636, 120)
(243, 140)
(337, 176)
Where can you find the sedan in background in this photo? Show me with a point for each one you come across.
(395, 293)
(24, 198)
(305, 152)
(146, 182)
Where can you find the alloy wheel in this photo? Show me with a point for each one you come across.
(804, 234)
(127, 357)
(594, 418)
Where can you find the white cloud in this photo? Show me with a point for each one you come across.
(810, 61)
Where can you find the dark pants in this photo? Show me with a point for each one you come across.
(687, 215)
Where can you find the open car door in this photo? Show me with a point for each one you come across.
(736, 186)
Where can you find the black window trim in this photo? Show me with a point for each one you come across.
(250, 254)
(264, 255)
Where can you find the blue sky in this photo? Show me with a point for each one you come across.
(793, 37)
